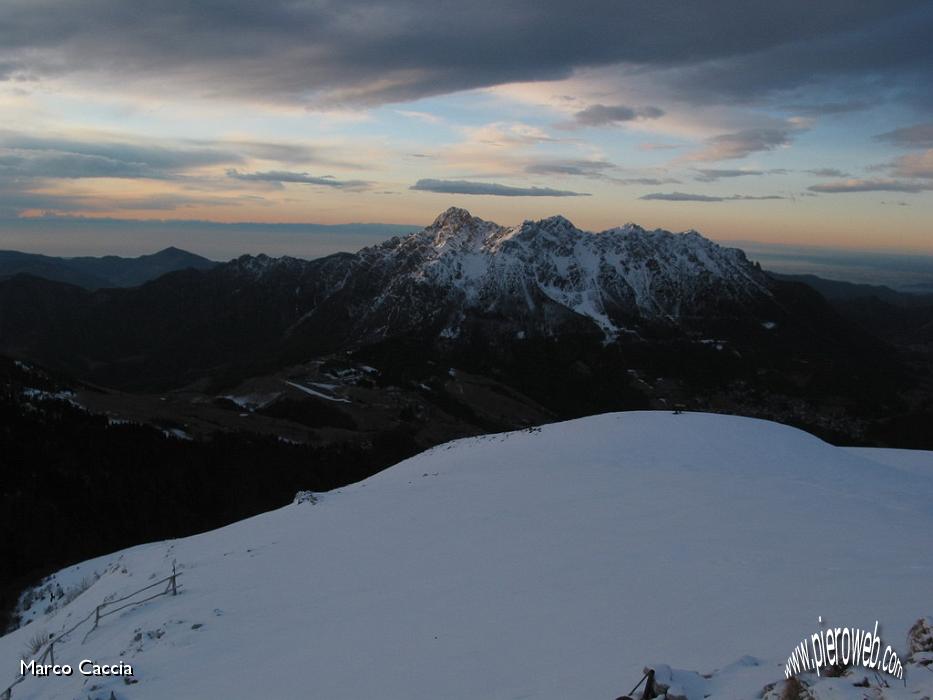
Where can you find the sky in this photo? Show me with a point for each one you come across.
(126, 127)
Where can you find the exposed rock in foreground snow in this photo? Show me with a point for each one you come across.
(551, 563)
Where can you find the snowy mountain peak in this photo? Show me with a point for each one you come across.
(544, 274)
(463, 275)
(453, 217)
(553, 228)
(551, 223)
(457, 229)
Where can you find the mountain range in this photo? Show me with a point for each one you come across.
(329, 370)
(98, 273)
(461, 280)
(572, 321)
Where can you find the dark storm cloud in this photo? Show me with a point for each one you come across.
(281, 176)
(607, 115)
(376, 51)
(870, 186)
(686, 197)
(867, 61)
(489, 188)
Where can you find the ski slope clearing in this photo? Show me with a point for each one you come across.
(548, 563)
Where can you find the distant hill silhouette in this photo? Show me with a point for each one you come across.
(102, 272)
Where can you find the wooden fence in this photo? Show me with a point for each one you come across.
(103, 610)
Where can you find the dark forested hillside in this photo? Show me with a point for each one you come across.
(77, 484)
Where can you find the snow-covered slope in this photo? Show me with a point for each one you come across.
(550, 563)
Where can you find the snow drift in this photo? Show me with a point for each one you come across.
(548, 563)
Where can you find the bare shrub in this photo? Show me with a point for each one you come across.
(35, 643)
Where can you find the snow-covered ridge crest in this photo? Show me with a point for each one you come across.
(465, 277)
(257, 266)
(606, 277)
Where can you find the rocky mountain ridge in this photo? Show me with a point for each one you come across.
(543, 275)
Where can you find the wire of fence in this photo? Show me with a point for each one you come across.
(48, 648)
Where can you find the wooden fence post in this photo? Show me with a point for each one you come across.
(50, 651)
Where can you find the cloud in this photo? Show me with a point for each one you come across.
(426, 117)
(857, 185)
(15, 198)
(828, 172)
(645, 180)
(594, 169)
(280, 176)
(173, 202)
(856, 60)
(585, 168)
(914, 165)
(367, 52)
(506, 149)
(685, 197)
(713, 174)
(104, 155)
(25, 155)
(754, 197)
(611, 115)
(29, 164)
(18, 196)
(508, 134)
(33, 167)
(743, 143)
(916, 136)
(680, 197)
(659, 146)
(489, 188)
(284, 152)
(53, 164)
(822, 109)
